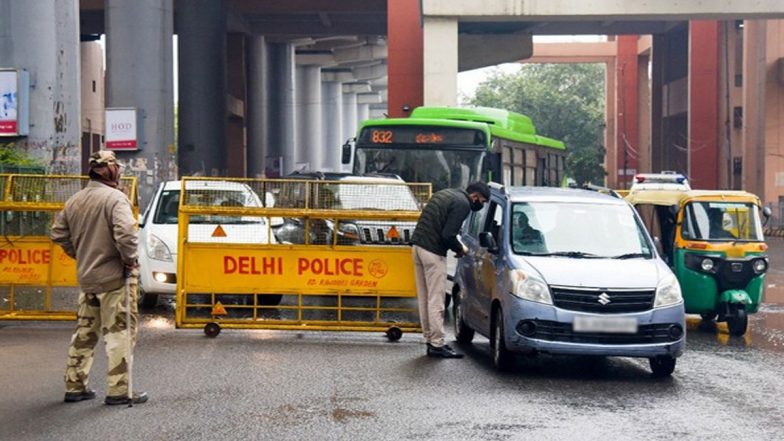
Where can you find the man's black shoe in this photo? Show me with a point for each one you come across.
(139, 398)
(442, 352)
(73, 397)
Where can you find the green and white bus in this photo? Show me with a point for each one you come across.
(451, 147)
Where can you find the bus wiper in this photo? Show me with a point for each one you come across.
(629, 256)
(573, 254)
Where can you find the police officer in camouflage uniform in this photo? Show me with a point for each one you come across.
(97, 228)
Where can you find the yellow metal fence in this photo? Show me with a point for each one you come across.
(37, 279)
(297, 255)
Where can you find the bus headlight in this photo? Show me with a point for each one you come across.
(530, 288)
(668, 292)
(157, 249)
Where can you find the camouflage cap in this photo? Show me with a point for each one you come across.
(102, 157)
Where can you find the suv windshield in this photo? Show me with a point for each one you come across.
(442, 168)
(577, 230)
(722, 221)
(168, 206)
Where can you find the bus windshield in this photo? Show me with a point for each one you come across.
(444, 168)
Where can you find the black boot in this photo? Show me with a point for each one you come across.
(442, 352)
(73, 397)
(139, 398)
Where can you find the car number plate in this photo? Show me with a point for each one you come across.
(617, 325)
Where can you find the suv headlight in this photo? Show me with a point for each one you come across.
(530, 288)
(668, 292)
(157, 249)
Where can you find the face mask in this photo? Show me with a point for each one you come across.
(476, 205)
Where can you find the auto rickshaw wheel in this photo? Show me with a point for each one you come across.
(212, 329)
(662, 366)
(738, 322)
(708, 316)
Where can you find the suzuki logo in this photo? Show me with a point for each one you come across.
(604, 298)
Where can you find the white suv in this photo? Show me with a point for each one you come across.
(158, 236)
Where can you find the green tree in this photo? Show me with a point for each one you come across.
(14, 159)
(565, 101)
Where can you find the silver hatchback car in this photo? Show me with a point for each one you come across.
(566, 271)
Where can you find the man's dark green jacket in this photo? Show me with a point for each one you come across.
(440, 221)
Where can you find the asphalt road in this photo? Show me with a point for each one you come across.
(276, 385)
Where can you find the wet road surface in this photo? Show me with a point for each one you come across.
(297, 385)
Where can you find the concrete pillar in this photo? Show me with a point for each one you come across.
(643, 115)
(658, 59)
(363, 113)
(92, 85)
(610, 138)
(236, 105)
(626, 70)
(440, 61)
(405, 59)
(332, 123)
(43, 38)
(774, 115)
(754, 101)
(282, 136)
(139, 75)
(309, 148)
(704, 104)
(258, 106)
(350, 122)
(349, 116)
(201, 27)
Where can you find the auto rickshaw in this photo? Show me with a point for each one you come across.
(713, 241)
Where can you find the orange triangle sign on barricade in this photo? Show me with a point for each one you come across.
(219, 232)
(218, 309)
(393, 233)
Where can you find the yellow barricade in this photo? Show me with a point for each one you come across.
(297, 255)
(37, 279)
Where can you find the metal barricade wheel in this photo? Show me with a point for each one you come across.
(212, 329)
(394, 333)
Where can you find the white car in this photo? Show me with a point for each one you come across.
(666, 180)
(158, 236)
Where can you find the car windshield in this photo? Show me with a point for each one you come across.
(442, 168)
(370, 196)
(722, 221)
(578, 230)
(168, 206)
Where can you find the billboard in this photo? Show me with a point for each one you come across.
(121, 129)
(13, 102)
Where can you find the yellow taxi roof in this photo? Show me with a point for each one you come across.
(680, 197)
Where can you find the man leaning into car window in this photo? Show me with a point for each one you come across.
(435, 234)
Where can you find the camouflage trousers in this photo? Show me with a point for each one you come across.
(102, 314)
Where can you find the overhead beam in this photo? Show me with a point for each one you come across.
(308, 6)
(603, 10)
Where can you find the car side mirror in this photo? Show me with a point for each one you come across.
(486, 240)
(766, 213)
(345, 153)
